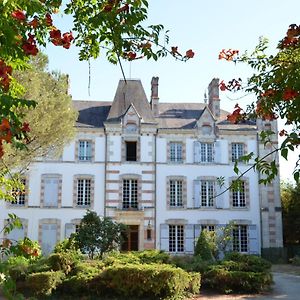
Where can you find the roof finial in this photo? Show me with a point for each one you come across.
(205, 97)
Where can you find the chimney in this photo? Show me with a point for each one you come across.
(154, 96)
(213, 97)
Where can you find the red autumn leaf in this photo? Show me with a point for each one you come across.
(223, 86)
(25, 127)
(228, 54)
(123, 8)
(48, 20)
(190, 53)
(19, 15)
(4, 125)
(290, 94)
(34, 22)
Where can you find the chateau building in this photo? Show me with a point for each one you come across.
(155, 167)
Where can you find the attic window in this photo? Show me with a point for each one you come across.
(131, 151)
(206, 129)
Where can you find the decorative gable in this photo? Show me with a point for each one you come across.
(206, 124)
(131, 120)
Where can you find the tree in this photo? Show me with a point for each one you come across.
(276, 86)
(52, 119)
(205, 245)
(98, 235)
(290, 200)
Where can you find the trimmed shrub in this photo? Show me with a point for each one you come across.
(40, 284)
(203, 246)
(17, 267)
(191, 263)
(153, 280)
(226, 281)
(63, 261)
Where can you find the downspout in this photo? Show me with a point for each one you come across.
(260, 198)
(105, 170)
(155, 187)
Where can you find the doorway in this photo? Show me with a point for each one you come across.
(131, 239)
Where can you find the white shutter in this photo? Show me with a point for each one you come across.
(189, 238)
(70, 228)
(197, 193)
(51, 192)
(219, 199)
(253, 239)
(197, 151)
(164, 237)
(252, 147)
(197, 230)
(16, 234)
(49, 238)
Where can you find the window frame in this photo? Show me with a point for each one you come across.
(86, 192)
(130, 194)
(239, 199)
(206, 154)
(20, 195)
(134, 157)
(208, 201)
(176, 193)
(240, 238)
(87, 147)
(176, 238)
(176, 152)
(237, 151)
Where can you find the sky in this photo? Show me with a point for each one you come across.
(206, 27)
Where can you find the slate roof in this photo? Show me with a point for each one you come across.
(171, 115)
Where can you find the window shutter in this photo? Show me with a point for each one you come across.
(219, 199)
(51, 192)
(16, 234)
(197, 158)
(70, 228)
(218, 152)
(252, 147)
(253, 239)
(164, 237)
(189, 238)
(197, 230)
(48, 238)
(196, 193)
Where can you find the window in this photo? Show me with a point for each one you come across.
(51, 188)
(85, 151)
(240, 238)
(208, 227)
(237, 150)
(176, 152)
(176, 238)
(130, 193)
(19, 195)
(207, 193)
(84, 192)
(239, 196)
(131, 151)
(131, 128)
(176, 193)
(17, 234)
(206, 152)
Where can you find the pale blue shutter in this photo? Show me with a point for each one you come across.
(51, 192)
(164, 237)
(197, 230)
(219, 199)
(218, 152)
(197, 152)
(70, 228)
(49, 238)
(196, 193)
(16, 234)
(253, 239)
(189, 239)
(252, 147)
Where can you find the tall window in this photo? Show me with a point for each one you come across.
(237, 151)
(240, 238)
(19, 194)
(85, 151)
(176, 238)
(175, 152)
(206, 152)
(176, 193)
(239, 196)
(131, 151)
(83, 192)
(207, 193)
(48, 237)
(130, 193)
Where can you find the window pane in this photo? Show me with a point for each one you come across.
(131, 151)
(83, 192)
(176, 152)
(19, 194)
(85, 150)
(130, 193)
(175, 193)
(237, 150)
(207, 193)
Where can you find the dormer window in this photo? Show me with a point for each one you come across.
(206, 130)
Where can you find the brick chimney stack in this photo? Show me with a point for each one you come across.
(154, 96)
(213, 97)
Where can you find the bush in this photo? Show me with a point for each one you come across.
(26, 248)
(153, 280)
(40, 284)
(17, 267)
(295, 260)
(205, 246)
(191, 263)
(227, 281)
(63, 261)
(250, 263)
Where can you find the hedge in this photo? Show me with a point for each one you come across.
(140, 281)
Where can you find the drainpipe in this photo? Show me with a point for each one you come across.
(105, 171)
(155, 187)
(260, 197)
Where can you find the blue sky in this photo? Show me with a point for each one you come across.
(204, 26)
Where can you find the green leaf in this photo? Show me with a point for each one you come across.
(284, 153)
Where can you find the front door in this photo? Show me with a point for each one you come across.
(131, 239)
